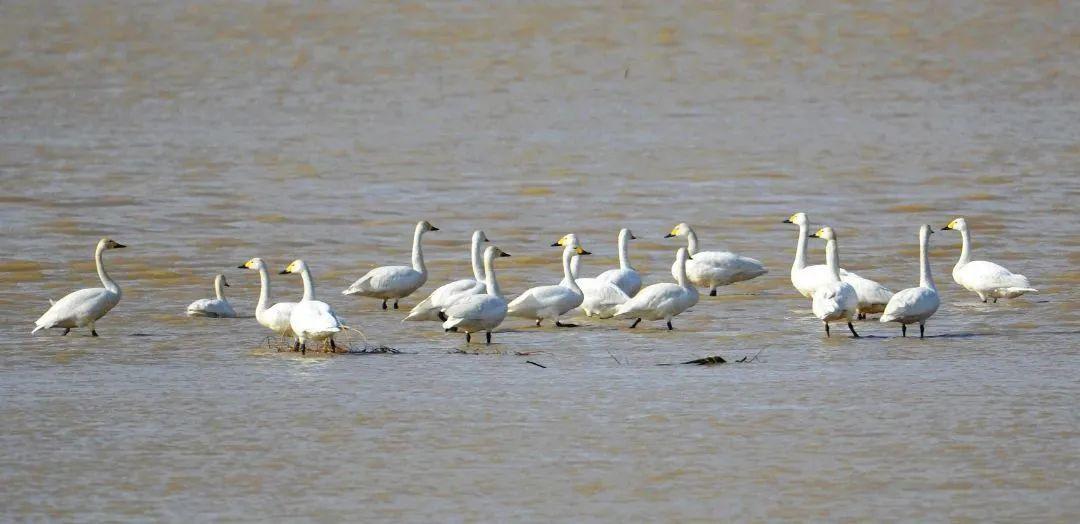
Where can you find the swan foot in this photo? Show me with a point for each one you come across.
(560, 324)
(903, 330)
(489, 338)
(852, 328)
(636, 322)
(669, 326)
(468, 337)
(712, 292)
(384, 305)
(922, 330)
(93, 333)
(66, 331)
(827, 334)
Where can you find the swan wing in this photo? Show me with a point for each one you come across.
(911, 305)
(387, 279)
(985, 276)
(869, 292)
(650, 299)
(550, 298)
(277, 317)
(807, 279)
(601, 297)
(78, 307)
(721, 268)
(628, 280)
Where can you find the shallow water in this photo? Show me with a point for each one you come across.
(201, 135)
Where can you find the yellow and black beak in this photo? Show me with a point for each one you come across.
(583, 252)
(669, 235)
(242, 266)
(946, 228)
(788, 221)
(813, 235)
(284, 271)
(555, 244)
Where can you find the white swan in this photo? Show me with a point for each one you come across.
(483, 312)
(395, 282)
(213, 307)
(986, 279)
(626, 278)
(551, 302)
(85, 306)
(311, 320)
(712, 269)
(663, 301)
(835, 299)
(916, 304)
(601, 296)
(275, 317)
(872, 295)
(434, 306)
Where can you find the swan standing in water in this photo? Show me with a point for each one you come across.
(311, 320)
(986, 279)
(665, 300)
(834, 299)
(916, 304)
(85, 306)
(434, 306)
(483, 312)
(275, 317)
(872, 295)
(395, 282)
(712, 269)
(213, 307)
(601, 296)
(551, 302)
(626, 278)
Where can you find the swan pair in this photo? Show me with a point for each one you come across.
(308, 320)
(395, 282)
(551, 302)
(665, 300)
(84, 307)
(218, 307)
(872, 296)
(712, 269)
(434, 306)
(986, 279)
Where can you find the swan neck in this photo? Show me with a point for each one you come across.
(965, 248)
(575, 267)
(800, 249)
(309, 286)
(219, 289)
(477, 259)
(264, 290)
(926, 279)
(691, 243)
(680, 272)
(105, 280)
(624, 252)
(832, 258)
(568, 274)
(417, 252)
(489, 270)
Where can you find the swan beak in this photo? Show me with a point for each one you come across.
(632, 237)
(241, 266)
(946, 228)
(688, 257)
(504, 254)
(119, 246)
(583, 252)
(813, 235)
(556, 244)
(283, 272)
(226, 284)
(486, 240)
(669, 235)
(433, 228)
(787, 221)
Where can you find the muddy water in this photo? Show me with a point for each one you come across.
(202, 135)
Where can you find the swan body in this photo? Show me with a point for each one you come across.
(275, 317)
(395, 282)
(835, 299)
(872, 295)
(662, 301)
(712, 269)
(601, 296)
(311, 320)
(217, 307)
(481, 312)
(626, 278)
(434, 306)
(986, 279)
(916, 304)
(84, 307)
(551, 302)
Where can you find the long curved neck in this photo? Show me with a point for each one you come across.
(417, 252)
(965, 247)
(219, 289)
(680, 272)
(800, 249)
(926, 279)
(489, 270)
(105, 280)
(568, 274)
(575, 267)
(477, 259)
(691, 243)
(264, 290)
(624, 251)
(309, 286)
(832, 259)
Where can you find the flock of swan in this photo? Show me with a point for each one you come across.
(477, 305)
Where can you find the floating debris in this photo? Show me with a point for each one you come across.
(535, 364)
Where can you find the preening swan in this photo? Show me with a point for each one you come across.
(275, 317)
(835, 299)
(662, 301)
(872, 296)
(213, 307)
(311, 320)
(434, 306)
(395, 282)
(986, 279)
(915, 304)
(626, 278)
(483, 312)
(85, 306)
(601, 296)
(712, 269)
(551, 302)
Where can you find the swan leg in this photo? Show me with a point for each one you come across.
(852, 328)
(442, 316)
(634, 325)
(995, 300)
(303, 348)
(712, 292)
(296, 345)
(468, 337)
(489, 338)
(333, 346)
(669, 328)
(66, 331)
(922, 329)
(395, 304)
(384, 304)
(903, 330)
(827, 334)
(93, 333)
(538, 322)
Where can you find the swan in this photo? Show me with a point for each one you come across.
(626, 278)
(395, 282)
(483, 312)
(712, 269)
(835, 299)
(915, 304)
(601, 296)
(872, 295)
(664, 300)
(213, 307)
(434, 306)
(85, 306)
(551, 302)
(276, 317)
(311, 319)
(986, 279)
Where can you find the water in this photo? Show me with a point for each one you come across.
(202, 135)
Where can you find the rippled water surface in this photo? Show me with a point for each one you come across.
(202, 134)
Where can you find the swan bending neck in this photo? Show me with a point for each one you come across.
(105, 280)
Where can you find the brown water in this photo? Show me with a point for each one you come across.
(202, 135)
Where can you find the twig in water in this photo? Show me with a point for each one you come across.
(612, 355)
(708, 361)
(535, 364)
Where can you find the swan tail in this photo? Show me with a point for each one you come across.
(451, 323)
(37, 328)
(1023, 290)
(423, 311)
(357, 287)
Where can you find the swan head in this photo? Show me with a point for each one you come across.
(798, 219)
(479, 236)
(682, 229)
(222, 279)
(926, 230)
(493, 252)
(579, 251)
(826, 233)
(297, 266)
(627, 233)
(425, 226)
(255, 263)
(108, 243)
(958, 224)
(568, 239)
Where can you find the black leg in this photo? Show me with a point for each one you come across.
(852, 328)
(537, 322)
(66, 331)
(93, 333)
(489, 338)
(333, 346)
(303, 349)
(922, 330)
(296, 345)
(995, 300)
(395, 304)
(984, 301)
(468, 337)
(903, 330)
(384, 304)
(634, 325)
(827, 334)
(712, 292)
(442, 316)
(669, 328)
